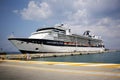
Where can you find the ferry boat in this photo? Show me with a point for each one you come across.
(57, 39)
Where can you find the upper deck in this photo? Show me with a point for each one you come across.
(50, 28)
(61, 33)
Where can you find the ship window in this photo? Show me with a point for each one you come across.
(62, 32)
(38, 42)
(33, 41)
(22, 42)
(55, 30)
(36, 48)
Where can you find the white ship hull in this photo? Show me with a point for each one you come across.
(25, 47)
(57, 39)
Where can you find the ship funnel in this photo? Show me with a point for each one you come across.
(86, 33)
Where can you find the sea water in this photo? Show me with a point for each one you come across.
(109, 57)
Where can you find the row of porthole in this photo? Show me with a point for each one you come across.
(36, 48)
(32, 42)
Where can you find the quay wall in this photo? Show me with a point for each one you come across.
(28, 56)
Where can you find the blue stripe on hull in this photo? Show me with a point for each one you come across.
(49, 42)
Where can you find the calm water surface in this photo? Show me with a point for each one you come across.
(111, 57)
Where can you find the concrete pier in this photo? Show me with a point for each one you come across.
(42, 55)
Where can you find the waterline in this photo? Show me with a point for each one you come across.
(110, 57)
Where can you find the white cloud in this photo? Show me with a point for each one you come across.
(15, 11)
(91, 15)
(97, 6)
(99, 16)
(36, 11)
(81, 14)
(78, 17)
(104, 21)
(105, 27)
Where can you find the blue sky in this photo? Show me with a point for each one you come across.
(22, 17)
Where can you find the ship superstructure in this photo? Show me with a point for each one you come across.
(58, 39)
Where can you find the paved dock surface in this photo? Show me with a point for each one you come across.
(33, 70)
